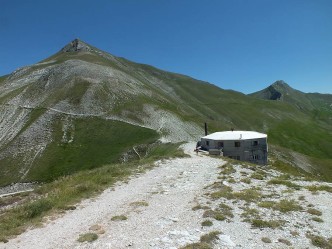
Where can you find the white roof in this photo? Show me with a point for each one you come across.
(235, 135)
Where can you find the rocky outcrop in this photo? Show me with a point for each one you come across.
(76, 46)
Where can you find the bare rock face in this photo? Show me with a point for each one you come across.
(76, 46)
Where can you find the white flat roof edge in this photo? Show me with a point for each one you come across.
(235, 135)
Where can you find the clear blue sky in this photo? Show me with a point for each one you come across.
(244, 45)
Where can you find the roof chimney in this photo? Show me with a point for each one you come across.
(206, 130)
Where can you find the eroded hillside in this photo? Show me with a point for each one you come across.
(53, 113)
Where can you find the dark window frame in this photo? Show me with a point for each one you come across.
(237, 144)
(221, 144)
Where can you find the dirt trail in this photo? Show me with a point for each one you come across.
(260, 210)
(157, 204)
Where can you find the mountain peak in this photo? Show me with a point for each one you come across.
(76, 46)
(280, 84)
(277, 91)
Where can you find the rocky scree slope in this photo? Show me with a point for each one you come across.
(41, 106)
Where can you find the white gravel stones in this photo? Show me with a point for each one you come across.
(166, 220)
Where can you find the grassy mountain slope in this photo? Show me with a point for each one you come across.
(311, 134)
(82, 108)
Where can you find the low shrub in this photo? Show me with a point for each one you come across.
(207, 223)
(224, 192)
(248, 195)
(282, 206)
(315, 188)
(320, 241)
(285, 241)
(314, 211)
(266, 240)
(36, 208)
(317, 219)
(119, 218)
(285, 183)
(267, 223)
(87, 237)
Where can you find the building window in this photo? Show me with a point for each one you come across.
(255, 157)
(207, 143)
(237, 144)
(254, 143)
(220, 144)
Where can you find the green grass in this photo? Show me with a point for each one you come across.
(65, 192)
(59, 194)
(223, 192)
(259, 223)
(246, 180)
(250, 213)
(165, 151)
(314, 211)
(323, 169)
(207, 223)
(198, 245)
(248, 195)
(287, 206)
(206, 241)
(36, 208)
(119, 218)
(139, 204)
(285, 241)
(286, 167)
(285, 183)
(257, 176)
(12, 94)
(87, 237)
(282, 206)
(317, 219)
(199, 207)
(252, 216)
(215, 214)
(210, 237)
(315, 188)
(266, 204)
(266, 240)
(227, 169)
(226, 210)
(96, 142)
(33, 116)
(320, 241)
(306, 138)
(294, 233)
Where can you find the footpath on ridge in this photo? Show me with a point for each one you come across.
(157, 204)
(181, 201)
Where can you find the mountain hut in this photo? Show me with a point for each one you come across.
(247, 146)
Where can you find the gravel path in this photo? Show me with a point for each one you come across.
(158, 206)
(155, 210)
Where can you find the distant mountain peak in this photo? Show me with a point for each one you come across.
(280, 83)
(76, 46)
(277, 91)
